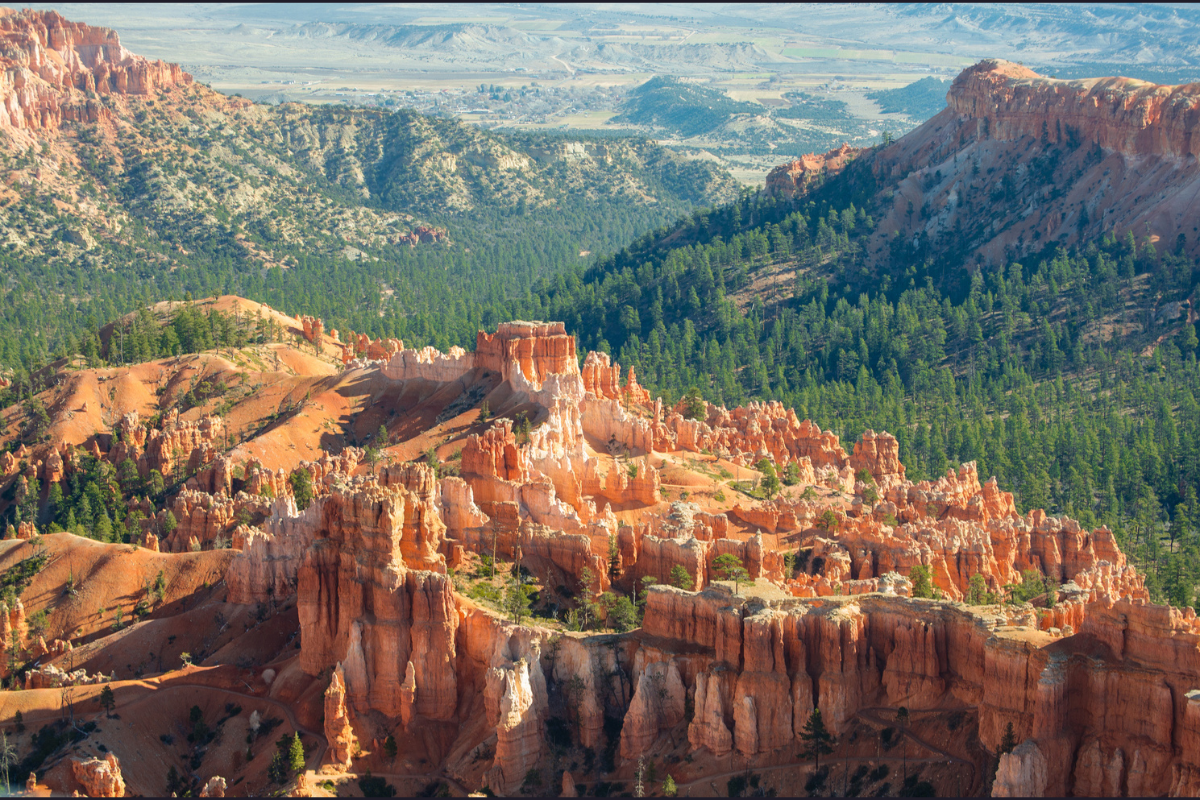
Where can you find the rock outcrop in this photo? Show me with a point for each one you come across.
(214, 787)
(538, 349)
(358, 596)
(50, 67)
(99, 777)
(1123, 115)
(338, 731)
(795, 177)
(368, 564)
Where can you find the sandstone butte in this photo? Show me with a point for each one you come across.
(377, 636)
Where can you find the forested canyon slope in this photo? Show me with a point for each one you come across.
(799, 494)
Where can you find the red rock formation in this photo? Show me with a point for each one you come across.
(1122, 149)
(422, 234)
(367, 560)
(53, 470)
(795, 177)
(338, 731)
(99, 777)
(601, 376)
(538, 348)
(1121, 114)
(214, 787)
(200, 516)
(363, 346)
(48, 66)
(495, 454)
(313, 328)
(634, 393)
(412, 615)
(658, 704)
(760, 430)
(181, 446)
(878, 454)
(260, 481)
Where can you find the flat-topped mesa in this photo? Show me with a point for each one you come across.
(48, 64)
(796, 176)
(1129, 116)
(539, 349)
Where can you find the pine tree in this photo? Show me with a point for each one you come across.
(922, 582)
(729, 567)
(680, 579)
(277, 771)
(614, 558)
(1009, 741)
(818, 741)
(296, 754)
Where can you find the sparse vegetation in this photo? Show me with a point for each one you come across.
(730, 568)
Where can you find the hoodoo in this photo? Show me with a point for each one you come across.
(386, 569)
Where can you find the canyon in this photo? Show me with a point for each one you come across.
(586, 488)
(514, 568)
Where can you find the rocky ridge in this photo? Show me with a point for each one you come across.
(797, 177)
(1017, 160)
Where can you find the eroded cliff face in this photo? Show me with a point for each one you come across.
(49, 65)
(1018, 160)
(1123, 115)
(1104, 712)
(99, 777)
(796, 177)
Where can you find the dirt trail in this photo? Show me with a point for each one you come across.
(869, 715)
(153, 690)
(872, 716)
